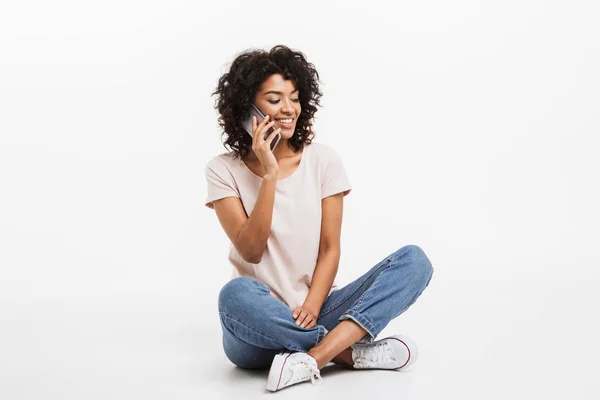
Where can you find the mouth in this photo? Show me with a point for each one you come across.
(285, 122)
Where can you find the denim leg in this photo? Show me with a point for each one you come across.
(256, 325)
(381, 294)
(245, 355)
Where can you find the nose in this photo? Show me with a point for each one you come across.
(286, 107)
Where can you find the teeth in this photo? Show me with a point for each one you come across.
(285, 121)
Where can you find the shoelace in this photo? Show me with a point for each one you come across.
(373, 356)
(300, 369)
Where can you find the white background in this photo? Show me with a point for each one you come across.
(468, 128)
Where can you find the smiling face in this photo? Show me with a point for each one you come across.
(279, 99)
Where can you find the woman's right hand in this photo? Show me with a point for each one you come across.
(262, 147)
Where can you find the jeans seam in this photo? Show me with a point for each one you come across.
(418, 294)
(362, 297)
(359, 303)
(339, 303)
(320, 334)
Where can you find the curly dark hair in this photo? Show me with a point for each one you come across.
(236, 90)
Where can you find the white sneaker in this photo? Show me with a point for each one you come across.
(394, 352)
(289, 368)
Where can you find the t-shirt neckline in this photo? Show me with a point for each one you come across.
(287, 177)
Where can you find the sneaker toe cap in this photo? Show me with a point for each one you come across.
(408, 350)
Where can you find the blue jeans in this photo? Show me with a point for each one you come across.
(256, 326)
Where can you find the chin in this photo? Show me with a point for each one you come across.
(286, 135)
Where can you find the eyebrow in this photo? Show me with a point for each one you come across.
(276, 92)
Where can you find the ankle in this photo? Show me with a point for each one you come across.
(344, 358)
(321, 362)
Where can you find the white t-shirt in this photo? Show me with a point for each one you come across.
(290, 257)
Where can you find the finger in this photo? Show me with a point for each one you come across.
(272, 136)
(262, 131)
(264, 121)
(303, 316)
(307, 321)
(257, 127)
(254, 130)
(296, 312)
(300, 317)
(312, 324)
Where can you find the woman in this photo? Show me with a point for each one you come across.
(282, 211)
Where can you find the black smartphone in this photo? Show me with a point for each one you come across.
(254, 111)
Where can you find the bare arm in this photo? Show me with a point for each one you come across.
(253, 235)
(329, 253)
(249, 234)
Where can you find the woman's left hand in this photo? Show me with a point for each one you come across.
(304, 318)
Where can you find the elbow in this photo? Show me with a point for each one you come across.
(253, 258)
(249, 251)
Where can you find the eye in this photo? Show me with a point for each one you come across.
(277, 101)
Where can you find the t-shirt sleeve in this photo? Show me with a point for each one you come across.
(334, 178)
(219, 182)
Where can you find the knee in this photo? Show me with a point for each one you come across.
(422, 269)
(234, 294)
(241, 359)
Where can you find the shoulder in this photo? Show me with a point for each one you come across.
(320, 147)
(221, 166)
(322, 150)
(220, 161)
(325, 154)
